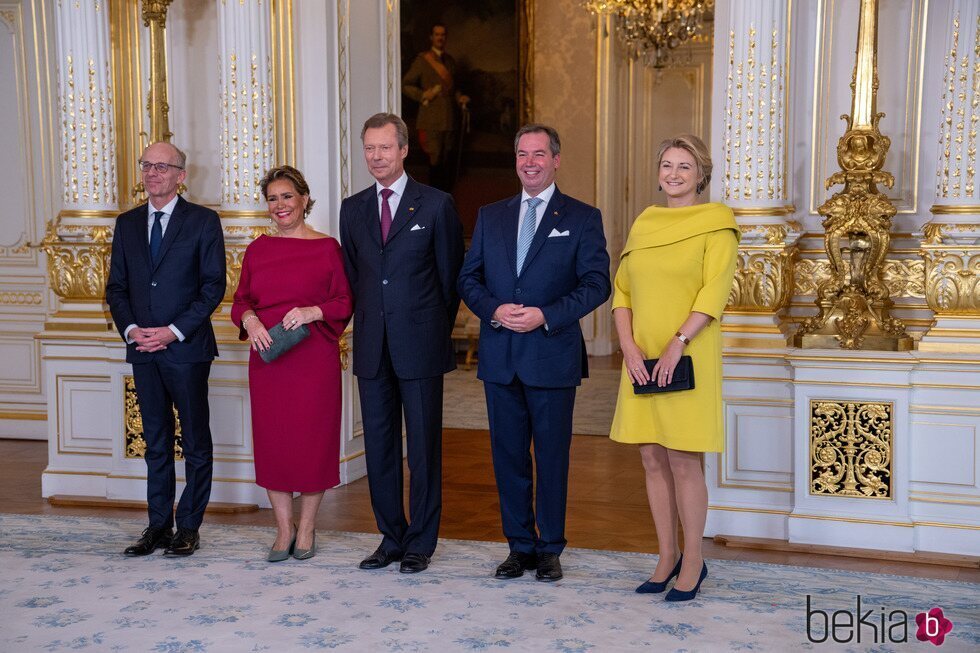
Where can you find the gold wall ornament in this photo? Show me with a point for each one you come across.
(133, 424)
(763, 281)
(854, 303)
(78, 260)
(902, 277)
(345, 348)
(652, 29)
(851, 449)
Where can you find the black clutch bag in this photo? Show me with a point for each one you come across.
(683, 378)
(283, 341)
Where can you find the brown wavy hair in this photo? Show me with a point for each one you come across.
(293, 176)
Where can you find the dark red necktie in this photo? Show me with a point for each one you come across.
(385, 213)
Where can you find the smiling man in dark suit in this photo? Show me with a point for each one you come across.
(166, 277)
(538, 264)
(403, 247)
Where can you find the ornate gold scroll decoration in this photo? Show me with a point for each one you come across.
(854, 302)
(851, 449)
(951, 256)
(763, 281)
(133, 425)
(78, 260)
(345, 348)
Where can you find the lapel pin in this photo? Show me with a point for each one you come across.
(411, 208)
(556, 212)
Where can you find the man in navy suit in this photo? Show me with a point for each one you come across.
(403, 247)
(166, 277)
(538, 264)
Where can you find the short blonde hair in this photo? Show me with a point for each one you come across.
(697, 149)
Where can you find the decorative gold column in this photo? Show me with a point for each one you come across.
(855, 308)
(77, 241)
(157, 105)
(754, 180)
(951, 241)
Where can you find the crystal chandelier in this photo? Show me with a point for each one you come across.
(652, 28)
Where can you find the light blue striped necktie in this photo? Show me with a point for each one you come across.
(526, 233)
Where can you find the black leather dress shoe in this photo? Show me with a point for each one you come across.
(186, 541)
(515, 564)
(151, 540)
(413, 563)
(549, 567)
(380, 559)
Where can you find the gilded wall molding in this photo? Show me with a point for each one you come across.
(18, 252)
(283, 82)
(392, 58)
(526, 83)
(131, 118)
(21, 298)
(851, 449)
(343, 93)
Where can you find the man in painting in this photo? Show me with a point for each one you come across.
(430, 81)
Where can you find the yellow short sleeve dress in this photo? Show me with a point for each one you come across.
(676, 261)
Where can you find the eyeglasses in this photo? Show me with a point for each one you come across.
(160, 167)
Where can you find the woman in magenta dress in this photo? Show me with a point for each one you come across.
(295, 277)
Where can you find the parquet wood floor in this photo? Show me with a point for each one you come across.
(607, 506)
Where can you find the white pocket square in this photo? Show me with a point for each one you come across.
(557, 234)
(417, 228)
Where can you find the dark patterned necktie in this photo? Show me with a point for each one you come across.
(156, 236)
(385, 213)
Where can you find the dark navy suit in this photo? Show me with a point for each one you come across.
(183, 289)
(405, 305)
(530, 378)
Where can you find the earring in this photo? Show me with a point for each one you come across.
(660, 188)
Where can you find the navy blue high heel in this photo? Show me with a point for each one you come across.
(653, 587)
(677, 595)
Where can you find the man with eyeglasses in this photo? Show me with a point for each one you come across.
(166, 277)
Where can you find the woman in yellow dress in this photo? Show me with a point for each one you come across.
(674, 278)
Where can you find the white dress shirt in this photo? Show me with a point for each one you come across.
(545, 197)
(167, 210)
(398, 189)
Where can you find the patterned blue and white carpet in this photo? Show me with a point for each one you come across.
(65, 586)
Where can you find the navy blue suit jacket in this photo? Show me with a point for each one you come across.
(566, 276)
(184, 288)
(405, 288)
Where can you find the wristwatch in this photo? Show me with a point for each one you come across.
(680, 336)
